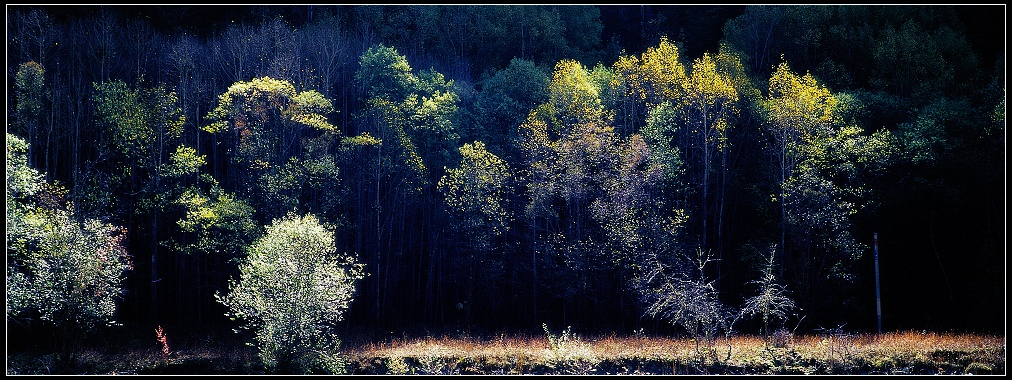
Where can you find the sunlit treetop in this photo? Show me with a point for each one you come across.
(800, 103)
(657, 75)
(707, 84)
(262, 100)
(384, 73)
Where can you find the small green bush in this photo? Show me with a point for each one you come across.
(292, 287)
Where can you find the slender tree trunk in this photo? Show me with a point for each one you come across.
(154, 285)
(783, 205)
(722, 200)
(379, 237)
(705, 167)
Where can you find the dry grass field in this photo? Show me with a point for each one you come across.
(890, 353)
(907, 352)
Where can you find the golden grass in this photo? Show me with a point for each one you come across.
(907, 352)
(896, 352)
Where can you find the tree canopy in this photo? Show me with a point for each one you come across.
(501, 168)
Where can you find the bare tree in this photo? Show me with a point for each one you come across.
(772, 301)
(326, 48)
(675, 288)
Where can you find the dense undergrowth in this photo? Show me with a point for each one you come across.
(910, 352)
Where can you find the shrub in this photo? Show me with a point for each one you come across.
(561, 343)
(292, 287)
(61, 271)
(681, 294)
(772, 301)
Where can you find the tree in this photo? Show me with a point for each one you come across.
(763, 33)
(265, 121)
(570, 151)
(918, 59)
(136, 127)
(61, 271)
(642, 84)
(797, 107)
(674, 287)
(709, 106)
(582, 30)
(23, 181)
(245, 51)
(413, 116)
(432, 119)
(32, 34)
(327, 47)
(476, 190)
(772, 300)
(221, 225)
(660, 133)
(213, 230)
(502, 105)
(384, 73)
(589, 193)
(417, 110)
(475, 194)
(30, 93)
(186, 67)
(824, 161)
(657, 75)
(292, 287)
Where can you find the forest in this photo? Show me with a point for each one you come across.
(681, 170)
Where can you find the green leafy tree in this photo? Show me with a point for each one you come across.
(918, 60)
(824, 161)
(23, 181)
(476, 192)
(589, 204)
(216, 224)
(323, 192)
(928, 139)
(138, 126)
(265, 121)
(212, 227)
(502, 104)
(293, 286)
(660, 133)
(410, 118)
(384, 73)
(122, 119)
(476, 195)
(30, 93)
(432, 120)
(61, 271)
(414, 112)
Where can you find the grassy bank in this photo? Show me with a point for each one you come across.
(891, 353)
